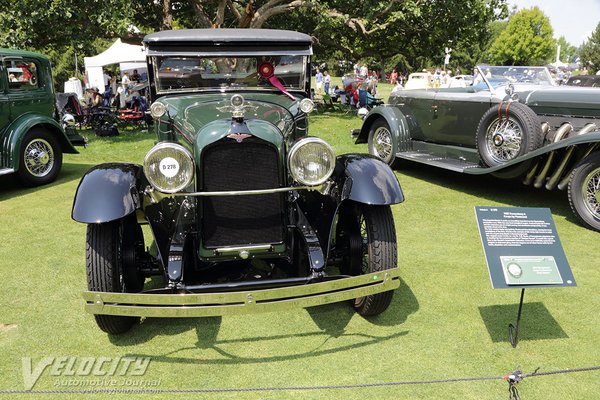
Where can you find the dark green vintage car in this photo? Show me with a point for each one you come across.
(247, 212)
(32, 137)
(513, 122)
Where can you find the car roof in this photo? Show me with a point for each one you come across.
(20, 53)
(227, 35)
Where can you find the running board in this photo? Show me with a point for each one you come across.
(436, 160)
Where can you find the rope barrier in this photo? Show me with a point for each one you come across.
(513, 379)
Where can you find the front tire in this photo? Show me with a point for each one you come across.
(506, 132)
(372, 245)
(41, 158)
(381, 142)
(584, 191)
(110, 266)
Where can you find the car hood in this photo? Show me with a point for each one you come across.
(191, 113)
(575, 101)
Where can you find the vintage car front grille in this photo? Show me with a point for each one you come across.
(241, 220)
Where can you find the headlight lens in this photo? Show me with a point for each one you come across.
(157, 109)
(169, 167)
(311, 161)
(306, 105)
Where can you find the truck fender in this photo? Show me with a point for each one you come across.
(366, 179)
(108, 192)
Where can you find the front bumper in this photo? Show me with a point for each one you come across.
(241, 302)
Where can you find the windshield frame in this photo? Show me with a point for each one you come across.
(539, 69)
(154, 63)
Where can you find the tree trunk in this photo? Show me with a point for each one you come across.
(167, 15)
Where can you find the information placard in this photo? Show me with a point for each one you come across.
(522, 248)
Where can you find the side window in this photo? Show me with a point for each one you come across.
(22, 75)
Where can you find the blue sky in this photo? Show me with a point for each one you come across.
(575, 20)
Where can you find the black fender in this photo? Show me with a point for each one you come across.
(108, 192)
(358, 178)
(366, 179)
(401, 124)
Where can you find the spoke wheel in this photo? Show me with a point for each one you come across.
(381, 142)
(372, 247)
(41, 158)
(584, 191)
(110, 263)
(503, 139)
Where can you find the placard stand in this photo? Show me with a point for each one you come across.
(513, 331)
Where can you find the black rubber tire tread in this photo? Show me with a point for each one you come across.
(382, 247)
(104, 270)
(576, 201)
(532, 136)
(24, 176)
(393, 162)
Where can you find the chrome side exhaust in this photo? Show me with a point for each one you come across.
(564, 130)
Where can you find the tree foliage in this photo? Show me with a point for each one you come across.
(526, 40)
(590, 50)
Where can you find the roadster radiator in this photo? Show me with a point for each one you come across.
(241, 220)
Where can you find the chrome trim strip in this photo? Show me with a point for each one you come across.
(6, 171)
(259, 247)
(243, 302)
(246, 192)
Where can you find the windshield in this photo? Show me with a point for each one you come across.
(176, 73)
(500, 76)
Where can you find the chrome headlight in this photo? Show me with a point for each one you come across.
(157, 109)
(311, 161)
(306, 105)
(169, 167)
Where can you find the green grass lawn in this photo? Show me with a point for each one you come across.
(445, 321)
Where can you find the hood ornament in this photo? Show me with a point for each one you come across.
(237, 107)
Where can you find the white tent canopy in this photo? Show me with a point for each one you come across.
(128, 56)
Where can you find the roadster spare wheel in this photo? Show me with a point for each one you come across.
(584, 191)
(506, 132)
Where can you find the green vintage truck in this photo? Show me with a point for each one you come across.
(33, 137)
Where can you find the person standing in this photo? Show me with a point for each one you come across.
(393, 77)
(319, 81)
(327, 82)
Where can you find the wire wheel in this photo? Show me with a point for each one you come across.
(371, 239)
(381, 142)
(39, 157)
(503, 139)
(584, 191)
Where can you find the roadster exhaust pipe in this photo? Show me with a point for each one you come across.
(564, 130)
(531, 173)
(553, 180)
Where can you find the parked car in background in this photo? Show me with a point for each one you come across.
(247, 212)
(461, 81)
(419, 80)
(33, 137)
(513, 122)
(584, 80)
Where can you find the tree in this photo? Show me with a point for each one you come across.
(590, 50)
(526, 40)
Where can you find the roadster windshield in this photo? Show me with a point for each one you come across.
(500, 75)
(177, 73)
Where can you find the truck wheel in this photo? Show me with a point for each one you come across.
(373, 248)
(381, 142)
(584, 191)
(41, 158)
(110, 263)
(505, 134)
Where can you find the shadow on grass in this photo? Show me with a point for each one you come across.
(331, 319)
(536, 322)
(511, 192)
(12, 187)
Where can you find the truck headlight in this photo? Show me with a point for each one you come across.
(311, 161)
(169, 167)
